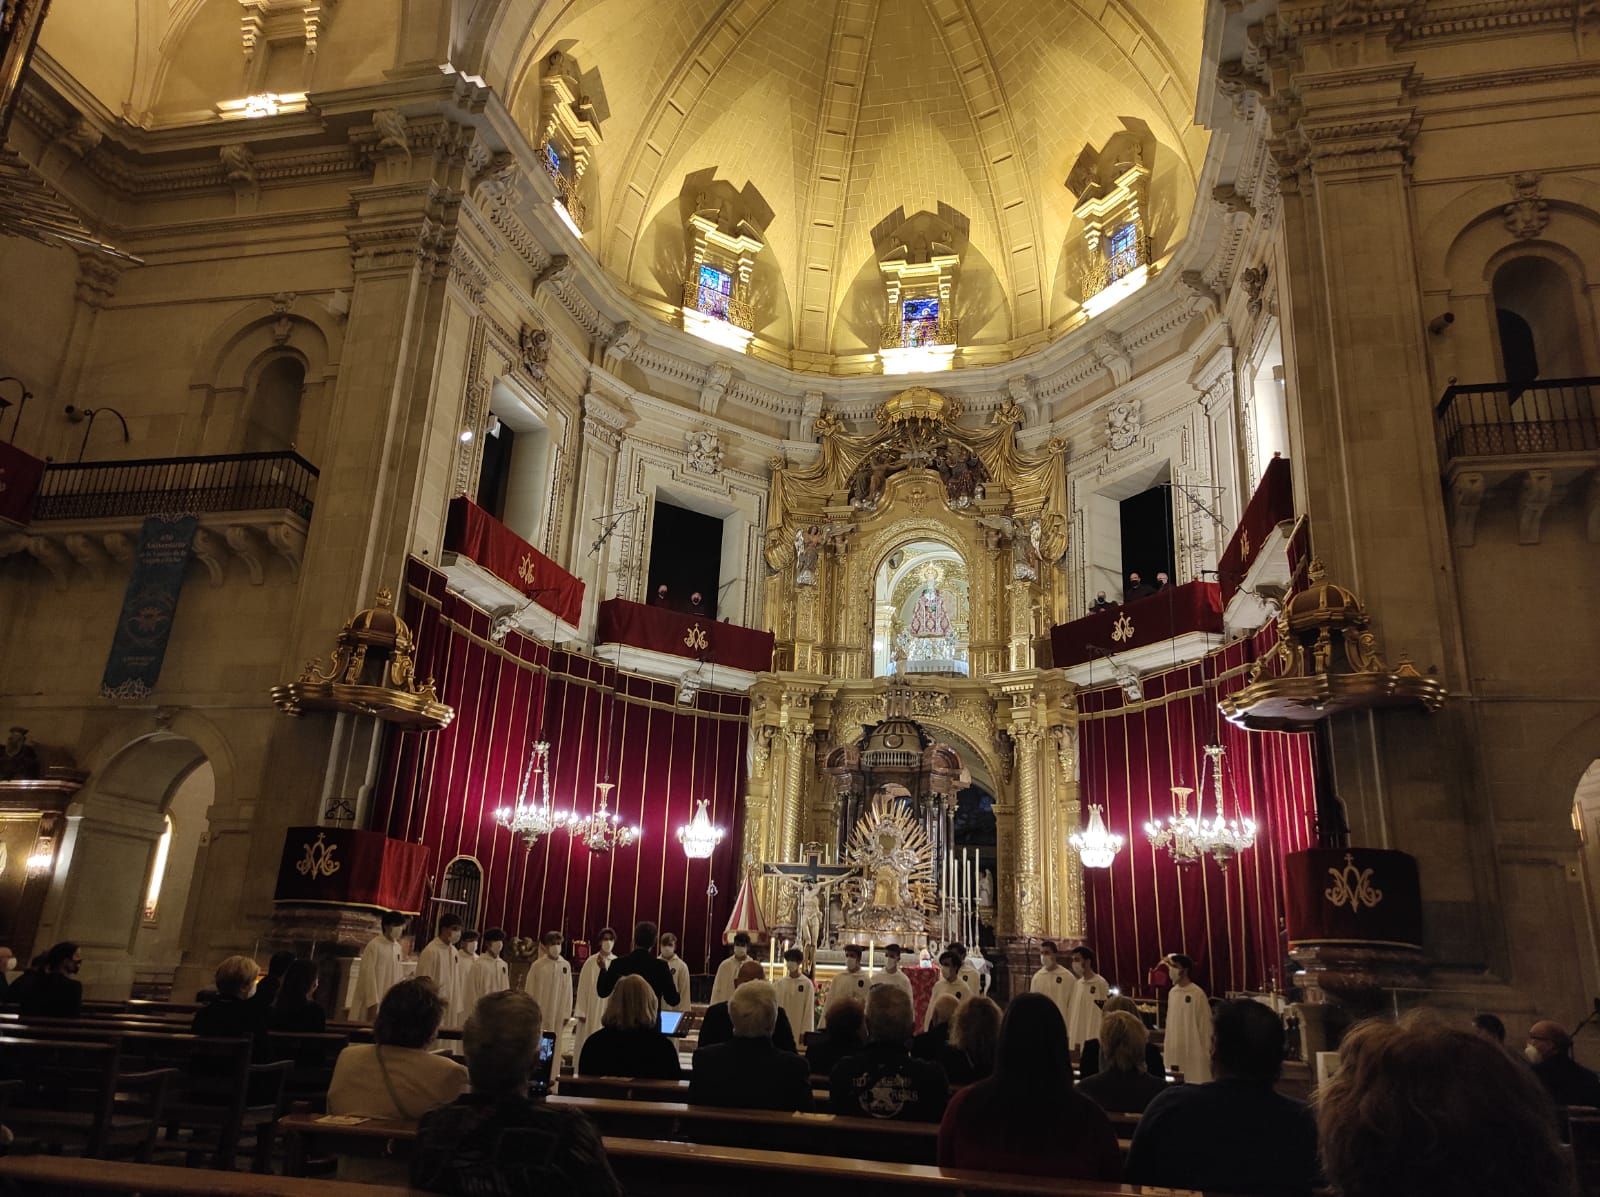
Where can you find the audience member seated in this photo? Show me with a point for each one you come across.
(268, 988)
(8, 961)
(1089, 1055)
(294, 1010)
(1026, 1118)
(1123, 1085)
(495, 1140)
(1549, 1050)
(884, 1080)
(55, 991)
(1491, 1028)
(231, 1014)
(930, 1045)
(845, 1034)
(397, 1076)
(1162, 580)
(974, 1035)
(1236, 1134)
(717, 1025)
(1419, 1109)
(28, 979)
(1101, 603)
(629, 1042)
(749, 1071)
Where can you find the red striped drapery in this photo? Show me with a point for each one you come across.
(443, 789)
(1131, 755)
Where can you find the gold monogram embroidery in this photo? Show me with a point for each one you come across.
(1122, 629)
(1352, 887)
(525, 569)
(697, 638)
(318, 860)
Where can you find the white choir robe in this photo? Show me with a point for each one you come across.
(488, 974)
(376, 973)
(896, 977)
(797, 997)
(549, 983)
(970, 977)
(848, 985)
(1188, 1042)
(1083, 1024)
(1060, 986)
(462, 1000)
(591, 1007)
(940, 988)
(722, 984)
(680, 978)
(437, 962)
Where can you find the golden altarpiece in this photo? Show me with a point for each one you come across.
(955, 523)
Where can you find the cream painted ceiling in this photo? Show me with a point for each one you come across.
(832, 115)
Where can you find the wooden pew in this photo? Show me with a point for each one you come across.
(652, 1168)
(76, 1094)
(642, 1089)
(71, 1177)
(311, 1059)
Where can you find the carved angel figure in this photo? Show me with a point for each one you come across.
(807, 550)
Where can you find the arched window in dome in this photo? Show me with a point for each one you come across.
(569, 129)
(1112, 189)
(716, 287)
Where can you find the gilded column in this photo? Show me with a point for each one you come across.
(1029, 877)
(1070, 920)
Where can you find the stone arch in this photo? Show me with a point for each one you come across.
(96, 895)
(233, 356)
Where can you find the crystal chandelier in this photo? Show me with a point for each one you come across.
(1223, 839)
(602, 830)
(1096, 847)
(528, 819)
(1180, 834)
(700, 838)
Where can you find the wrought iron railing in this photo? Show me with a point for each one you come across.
(1495, 419)
(897, 334)
(153, 486)
(566, 191)
(731, 308)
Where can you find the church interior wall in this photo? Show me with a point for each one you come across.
(601, 723)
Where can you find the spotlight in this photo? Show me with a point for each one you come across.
(466, 436)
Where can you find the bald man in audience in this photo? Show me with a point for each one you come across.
(717, 1025)
(1549, 1050)
(749, 1071)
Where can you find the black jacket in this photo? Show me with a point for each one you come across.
(717, 1027)
(884, 1080)
(640, 963)
(53, 995)
(750, 1074)
(1568, 1082)
(634, 1053)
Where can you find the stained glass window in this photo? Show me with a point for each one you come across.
(1122, 250)
(713, 290)
(919, 321)
(552, 158)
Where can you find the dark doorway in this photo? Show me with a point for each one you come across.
(495, 471)
(1518, 353)
(1147, 534)
(975, 832)
(685, 556)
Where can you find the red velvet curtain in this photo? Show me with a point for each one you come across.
(443, 789)
(1131, 755)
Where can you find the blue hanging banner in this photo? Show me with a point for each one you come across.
(148, 606)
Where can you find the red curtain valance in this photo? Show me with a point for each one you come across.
(1192, 607)
(1272, 503)
(697, 637)
(477, 535)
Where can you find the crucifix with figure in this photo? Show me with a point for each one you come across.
(810, 878)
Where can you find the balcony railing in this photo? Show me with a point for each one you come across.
(153, 486)
(1500, 419)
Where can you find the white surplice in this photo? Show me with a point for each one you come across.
(376, 973)
(1188, 1042)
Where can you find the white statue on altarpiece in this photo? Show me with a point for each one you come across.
(930, 618)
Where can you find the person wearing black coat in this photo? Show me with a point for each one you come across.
(641, 962)
(749, 1071)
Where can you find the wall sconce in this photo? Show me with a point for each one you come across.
(77, 414)
(21, 403)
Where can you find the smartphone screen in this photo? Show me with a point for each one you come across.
(544, 1067)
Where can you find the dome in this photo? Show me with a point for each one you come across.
(849, 133)
(1324, 604)
(377, 626)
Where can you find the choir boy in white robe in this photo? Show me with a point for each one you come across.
(1188, 1042)
(437, 962)
(591, 1007)
(678, 969)
(1083, 1024)
(462, 1001)
(728, 970)
(797, 996)
(378, 969)
(949, 982)
(1055, 981)
(489, 972)
(966, 973)
(892, 974)
(852, 983)
(549, 982)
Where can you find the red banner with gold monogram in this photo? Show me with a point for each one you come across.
(477, 535)
(697, 637)
(346, 867)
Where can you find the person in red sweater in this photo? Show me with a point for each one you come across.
(1026, 1118)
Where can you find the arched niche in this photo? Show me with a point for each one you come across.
(460, 891)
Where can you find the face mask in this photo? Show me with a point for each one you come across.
(1049, 961)
(667, 953)
(555, 951)
(1532, 1054)
(740, 953)
(605, 947)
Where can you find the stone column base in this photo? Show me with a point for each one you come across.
(333, 936)
(1342, 984)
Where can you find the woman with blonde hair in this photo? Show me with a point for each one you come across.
(629, 1042)
(231, 1014)
(1123, 1085)
(974, 1037)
